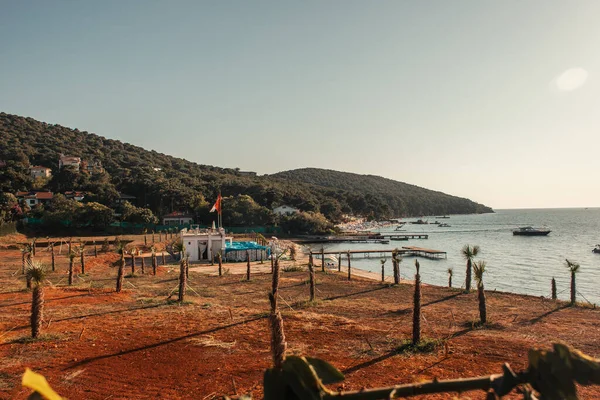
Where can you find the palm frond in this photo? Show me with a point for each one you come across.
(573, 266)
(36, 272)
(383, 260)
(478, 269)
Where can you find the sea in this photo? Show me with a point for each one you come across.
(516, 264)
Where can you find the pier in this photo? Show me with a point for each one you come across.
(374, 238)
(404, 251)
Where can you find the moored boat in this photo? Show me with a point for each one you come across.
(419, 222)
(596, 249)
(531, 231)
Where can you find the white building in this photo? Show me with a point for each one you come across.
(204, 244)
(37, 171)
(177, 218)
(285, 210)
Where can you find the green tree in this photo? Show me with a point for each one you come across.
(94, 214)
(573, 269)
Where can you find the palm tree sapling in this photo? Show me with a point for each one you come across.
(479, 269)
(573, 268)
(36, 273)
(469, 253)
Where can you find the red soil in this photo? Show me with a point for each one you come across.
(136, 345)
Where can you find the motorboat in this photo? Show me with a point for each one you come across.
(419, 222)
(444, 225)
(530, 231)
(596, 249)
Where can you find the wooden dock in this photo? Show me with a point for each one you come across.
(404, 251)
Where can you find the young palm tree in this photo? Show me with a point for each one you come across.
(479, 269)
(182, 280)
(416, 336)
(82, 257)
(52, 256)
(71, 256)
(25, 255)
(383, 260)
(311, 277)
(553, 284)
(247, 265)
(220, 261)
(469, 253)
(121, 271)
(36, 274)
(450, 273)
(573, 268)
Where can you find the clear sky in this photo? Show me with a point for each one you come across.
(497, 101)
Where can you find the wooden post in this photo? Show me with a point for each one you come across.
(160, 236)
(182, 280)
(132, 263)
(340, 262)
(163, 258)
(52, 255)
(248, 265)
(33, 247)
(553, 289)
(82, 258)
(154, 262)
(145, 240)
(143, 265)
(322, 259)
(349, 267)
(383, 270)
(272, 262)
(220, 260)
(95, 249)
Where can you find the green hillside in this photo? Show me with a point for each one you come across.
(386, 196)
(163, 183)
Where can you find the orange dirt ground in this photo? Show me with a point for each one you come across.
(97, 344)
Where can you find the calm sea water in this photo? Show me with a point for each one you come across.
(517, 264)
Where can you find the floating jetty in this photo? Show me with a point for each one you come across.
(404, 251)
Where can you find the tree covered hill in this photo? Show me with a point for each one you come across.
(387, 197)
(164, 183)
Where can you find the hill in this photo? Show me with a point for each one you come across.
(162, 183)
(386, 196)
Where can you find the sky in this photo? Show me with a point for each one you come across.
(496, 101)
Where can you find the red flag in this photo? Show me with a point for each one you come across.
(217, 206)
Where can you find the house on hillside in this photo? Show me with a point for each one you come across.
(37, 171)
(75, 195)
(66, 161)
(92, 167)
(34, 198)
(246, 173)
(177, 218)
(125, 197)
(285, 210)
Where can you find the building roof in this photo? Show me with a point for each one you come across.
(177, 214)
(36, 195)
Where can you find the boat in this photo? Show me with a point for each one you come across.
(444, 225)
(596, 249)
(531, 231)
(419, 222)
